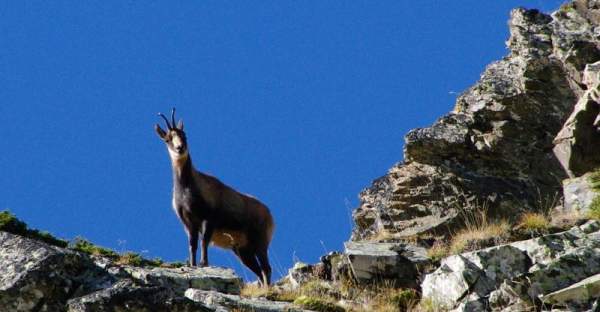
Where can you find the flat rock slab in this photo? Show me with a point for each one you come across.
(372, 261)
(226, 302)
(126, 296)
(35, 276)
(578, 293)
(207, 278)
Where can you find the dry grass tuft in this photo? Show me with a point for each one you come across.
(381, 236)
(254, 290)
(389, 299)
(478, 231)
(479, 236)
(321, 295)
(130, 258)
(381, 296)
(438, 251)
(312, 289)
(533, 221)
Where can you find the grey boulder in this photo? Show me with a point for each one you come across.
(35, 276)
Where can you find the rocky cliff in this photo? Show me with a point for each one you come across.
(495, 149)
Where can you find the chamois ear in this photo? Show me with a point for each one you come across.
(161, 133)
(180, 124)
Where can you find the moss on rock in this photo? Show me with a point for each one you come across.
(594, 209)
(11, 224)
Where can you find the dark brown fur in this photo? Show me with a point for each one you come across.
(223, 216)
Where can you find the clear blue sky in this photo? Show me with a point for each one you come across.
(302, 104)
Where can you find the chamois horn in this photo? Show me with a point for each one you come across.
(173, 117)
(166, 120)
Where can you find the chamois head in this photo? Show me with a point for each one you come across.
(174, 137)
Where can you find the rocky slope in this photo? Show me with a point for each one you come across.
(525, 138)
(37, 276)
(495, 149)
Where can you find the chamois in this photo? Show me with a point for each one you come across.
(223, 216)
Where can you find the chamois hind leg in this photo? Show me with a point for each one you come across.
(263, 258)
(248, 258)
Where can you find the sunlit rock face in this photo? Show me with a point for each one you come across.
(554, 271)
(579, 193)
(494, 151)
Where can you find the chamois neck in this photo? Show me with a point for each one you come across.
(182, 170)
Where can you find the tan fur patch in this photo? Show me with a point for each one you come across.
(229, 239)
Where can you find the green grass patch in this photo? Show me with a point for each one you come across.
(567, 7)
(403, 299)
(127, 258)
(594, 209)
(430, 305)
(175, 264)
(317, 304)
(11, 224)
(85, 246)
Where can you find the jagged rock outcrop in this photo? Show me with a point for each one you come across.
(495, 149)
(578, 142)
(544, 271)
(35, 276)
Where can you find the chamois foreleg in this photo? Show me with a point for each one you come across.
(193, 244)
(207, 232)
